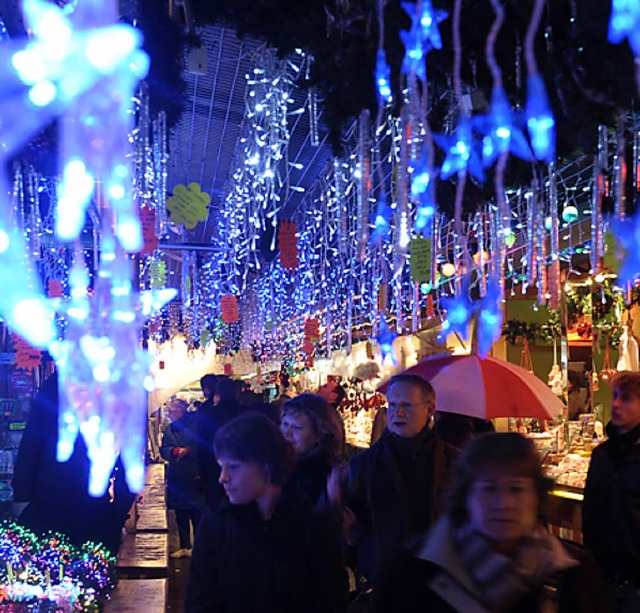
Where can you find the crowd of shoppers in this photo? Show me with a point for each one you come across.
(436, 515)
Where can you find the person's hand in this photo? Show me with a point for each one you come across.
(336, 479)
(180, 452)
(350, 526)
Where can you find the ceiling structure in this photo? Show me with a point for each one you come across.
(204, 147)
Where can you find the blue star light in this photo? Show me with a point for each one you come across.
(415, 50)
(429, 21)
(461, 152)
(500, 133)
(460, 310)
(625, 23)
(383, 76)
(83, 64)
(540, 121)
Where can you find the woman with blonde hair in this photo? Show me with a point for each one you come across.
(315, 430)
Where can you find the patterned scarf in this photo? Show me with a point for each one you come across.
(503, 580)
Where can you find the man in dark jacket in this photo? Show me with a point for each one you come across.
(210, 418)
(611, 509)
(57, 492)
(396, 486)
(185, 494)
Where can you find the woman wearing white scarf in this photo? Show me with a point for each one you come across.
(492, 552)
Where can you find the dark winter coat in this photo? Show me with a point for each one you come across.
(57, 492)
(309, 478)
(396, 495)
(184, 485)
(435, 580)
(292, 563)
(611, 508)
(210, 418)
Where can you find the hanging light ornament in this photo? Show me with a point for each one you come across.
(625, 23)
(363, 171)
(104, 374)
(554, 241)
(540, 119)
(599, 169)
(620, 175)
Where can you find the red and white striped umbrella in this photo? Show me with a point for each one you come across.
(486, 387)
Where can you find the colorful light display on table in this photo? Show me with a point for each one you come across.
(48, 571)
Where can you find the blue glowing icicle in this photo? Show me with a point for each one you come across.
(540, 121)
(385, 339)
(383, 76)
(625, 23)
(489, 317)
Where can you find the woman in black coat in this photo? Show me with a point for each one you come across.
(315, 430)
(492, 551)
(263, 551)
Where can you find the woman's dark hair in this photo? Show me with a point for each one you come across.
(324, 419)
(628, 382)
(252, 437)
(503, 451)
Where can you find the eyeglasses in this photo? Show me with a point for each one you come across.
(408, 406)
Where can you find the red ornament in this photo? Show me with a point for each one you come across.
(311, 335)
(430, 310)
(288, 245)
(228, 369)
(54, 289)
(27, 357)
(229, 309)
(148, 224)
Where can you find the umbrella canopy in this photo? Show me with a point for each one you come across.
(485, 387)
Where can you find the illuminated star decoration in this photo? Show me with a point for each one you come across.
(489, 317)
(383, 76)
(540, 121)
(385, 338)
(461, 152)
(625, 23)
(415, 51)
(627, 233)
(428, 21)
(104, 374)
(460, 309)
(500, 133)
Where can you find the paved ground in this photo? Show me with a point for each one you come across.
(178, 571)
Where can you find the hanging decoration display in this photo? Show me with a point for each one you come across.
(188, 205)
(102, 396)
(55, 289)
(26, 356)
(420, 250)
(229, 309)
(598, 190)
(288, 245)
(149, 238)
